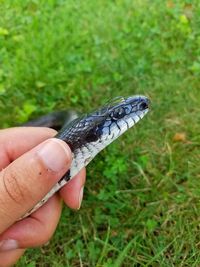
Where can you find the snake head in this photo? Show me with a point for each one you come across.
(103, 126)
(120, 115)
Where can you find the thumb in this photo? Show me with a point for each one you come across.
(30, 177)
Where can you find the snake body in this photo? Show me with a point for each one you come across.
(89, 134)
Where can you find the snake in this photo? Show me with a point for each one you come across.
(89, 134)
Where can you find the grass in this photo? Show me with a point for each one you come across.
(141, 203)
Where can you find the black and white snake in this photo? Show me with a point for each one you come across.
(89, 134)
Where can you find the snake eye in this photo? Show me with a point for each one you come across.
(118, 113)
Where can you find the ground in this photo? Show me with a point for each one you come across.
(141, 202)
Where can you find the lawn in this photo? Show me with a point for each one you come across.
(141, 205)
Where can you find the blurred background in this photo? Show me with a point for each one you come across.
(141, 205)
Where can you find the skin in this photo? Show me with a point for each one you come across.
(21, 189)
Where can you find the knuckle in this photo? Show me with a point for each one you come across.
(14, 189)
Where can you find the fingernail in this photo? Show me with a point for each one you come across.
(55, 154)
(80, 197)
(8, 244)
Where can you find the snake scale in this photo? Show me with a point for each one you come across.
(89, 134)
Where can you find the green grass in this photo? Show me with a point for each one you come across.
(141, 203)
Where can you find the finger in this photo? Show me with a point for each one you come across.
(8, 258)
(72, 192)
(30, 177)
(16, 141)
(35, 230)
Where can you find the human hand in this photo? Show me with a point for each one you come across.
(29, 166)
